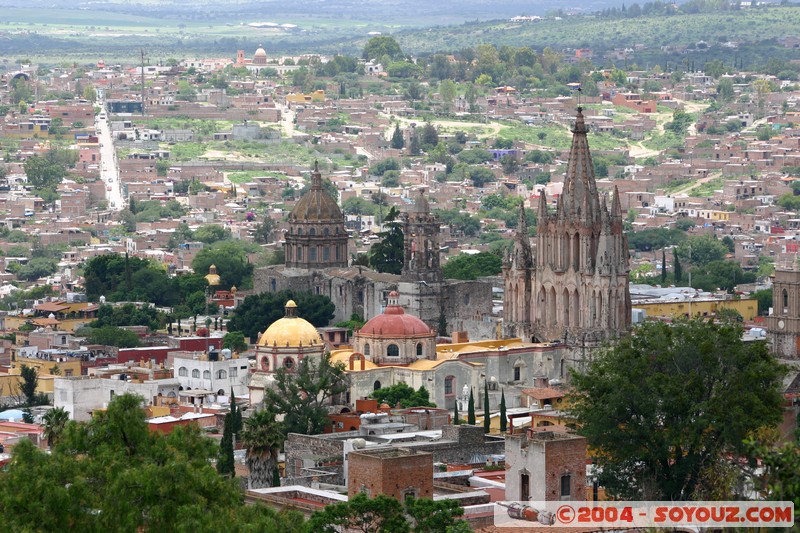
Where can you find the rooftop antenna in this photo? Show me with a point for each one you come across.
(141, 50)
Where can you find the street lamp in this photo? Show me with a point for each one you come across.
(213, 280)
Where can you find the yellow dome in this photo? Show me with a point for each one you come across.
(290, 330)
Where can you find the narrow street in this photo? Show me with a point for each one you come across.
(109, 170)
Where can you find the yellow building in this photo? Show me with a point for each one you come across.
(748, 308)
(300, 98)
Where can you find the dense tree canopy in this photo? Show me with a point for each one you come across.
(386, 255)
(259, 311)
(230, 258)
(665, 408)
(403, 395)
(301, 395)
(113, 474)
(472, 266)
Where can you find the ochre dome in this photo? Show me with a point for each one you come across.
(394, 323)
(291, 331)
(260, 52)
(316, 205)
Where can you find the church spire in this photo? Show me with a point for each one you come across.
(542, 213)
(316, 177)
(579, 183)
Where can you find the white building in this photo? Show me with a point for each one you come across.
(216, 376)
(80, 395)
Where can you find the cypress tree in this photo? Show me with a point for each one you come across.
(276, 476)
(663, 266)
(486, 421)
(397, 138)
(225, 463)
(471, 409)
(503, 421)
(456, 421)
(677, 268)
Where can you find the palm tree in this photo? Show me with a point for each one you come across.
(263, 438)
(54, 423)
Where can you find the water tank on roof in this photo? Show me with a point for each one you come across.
(226, 353)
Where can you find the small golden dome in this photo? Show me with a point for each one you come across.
(290, 331)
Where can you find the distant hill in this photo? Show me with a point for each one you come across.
(586, 31)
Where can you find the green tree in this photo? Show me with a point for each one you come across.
(472, 266)
(672, 402)
(382, 46)
(383, 514)
(677, 266)
(263, 438)
(764, 298)
(113, 474)
(211, 233)
(471, 408)
(258, 311)
(663, 266)
(503, 419)
(486, 420)
(429, 516)
(234, 341)
(386, 255)
(30, 381)
(46, 171)
(55, 420)
(226, 465)
(702, 249)
(398, 142)
(111, 336)
(403, 395)
(230, 258)
(301, 394)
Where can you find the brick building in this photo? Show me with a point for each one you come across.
(545, 466)
(396, 472)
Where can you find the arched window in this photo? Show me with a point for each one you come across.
(325, 232)
(419, 349)
(312, 253)
(233, 372)
(299, 231)
(449, 385)
(785, 301)
(288, 363)
(326, 254)
(299, 253)
(392, 351)
(312, 232)
(206, 374)
(182, 372)
(220, 392)
(366, 349)
(265, 364)
(195, 373)
(376, 385)
(221, 374)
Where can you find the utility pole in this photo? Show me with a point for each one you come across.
(141, 50)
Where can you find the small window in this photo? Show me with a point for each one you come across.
(222, 374)
(206, 374)
(325, 232)
(182, 372)
(566, 485)
(449, 385)
(312, 232)
(419, 349)
(312, 253)
(195, 373)
(288, 363)
(393, 351)
(366, 349)
(233, 372)
(376, 385)
(517, 373)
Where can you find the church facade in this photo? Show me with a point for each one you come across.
(572, 286)
(317, 261)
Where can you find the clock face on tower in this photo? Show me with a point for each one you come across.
(781, 324)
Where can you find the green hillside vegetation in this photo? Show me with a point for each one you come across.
(597, 33)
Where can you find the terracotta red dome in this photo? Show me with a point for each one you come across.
(394, 323)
